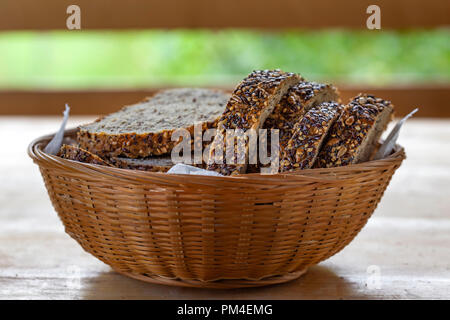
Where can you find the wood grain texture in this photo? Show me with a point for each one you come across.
(407, 238)
(432, 100)
(135, 14)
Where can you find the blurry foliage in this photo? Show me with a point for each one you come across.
(88, 59)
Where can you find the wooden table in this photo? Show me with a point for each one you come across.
(402, 253)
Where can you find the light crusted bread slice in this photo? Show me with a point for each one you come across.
(146, 128)
(355, 134)
(294, 104)
(75, 153)
(152, 164)
(309, 133)
(251, 103)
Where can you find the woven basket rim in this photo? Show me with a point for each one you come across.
(35, 151)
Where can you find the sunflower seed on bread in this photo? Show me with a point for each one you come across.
(294, 104)
(145, 128)
(251, 103)
(302, 149)
(355, 134)
(298, 100)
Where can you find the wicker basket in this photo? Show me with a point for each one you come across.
(217, 232)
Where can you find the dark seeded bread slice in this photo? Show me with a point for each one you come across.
(294, 104)
(75, 153)
(146, 128)
(251, 103)
(302, 149)
(355, 134)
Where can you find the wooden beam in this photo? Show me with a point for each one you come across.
(432, 101)
(264, 14)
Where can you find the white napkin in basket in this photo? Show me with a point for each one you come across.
(55, 144)
(181, 168)
(389, 144)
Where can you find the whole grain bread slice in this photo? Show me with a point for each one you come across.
(251, 103)
(354, 135)
(146, 128)
(153, 164)
(295, 103)
(309, 133)
(75, 153)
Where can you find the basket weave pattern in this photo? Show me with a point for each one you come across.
(206, 231)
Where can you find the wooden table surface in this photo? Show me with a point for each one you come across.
(402, 253)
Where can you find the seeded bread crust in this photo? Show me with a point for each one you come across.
(294, 104)
(355, 134)
(298, 100)
(249, 106)
(174, 108)
(309, 133)
(78, 154)
(134, 145)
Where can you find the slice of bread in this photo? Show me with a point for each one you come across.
(355, 134)
(298, 100)
(294, 104)
(75, 153)
(302, 149)
(251, 103)
(145, 128)
(152, 164)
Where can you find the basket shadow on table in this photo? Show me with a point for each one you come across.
(320, 282)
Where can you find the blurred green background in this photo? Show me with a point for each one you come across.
(142, 59)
